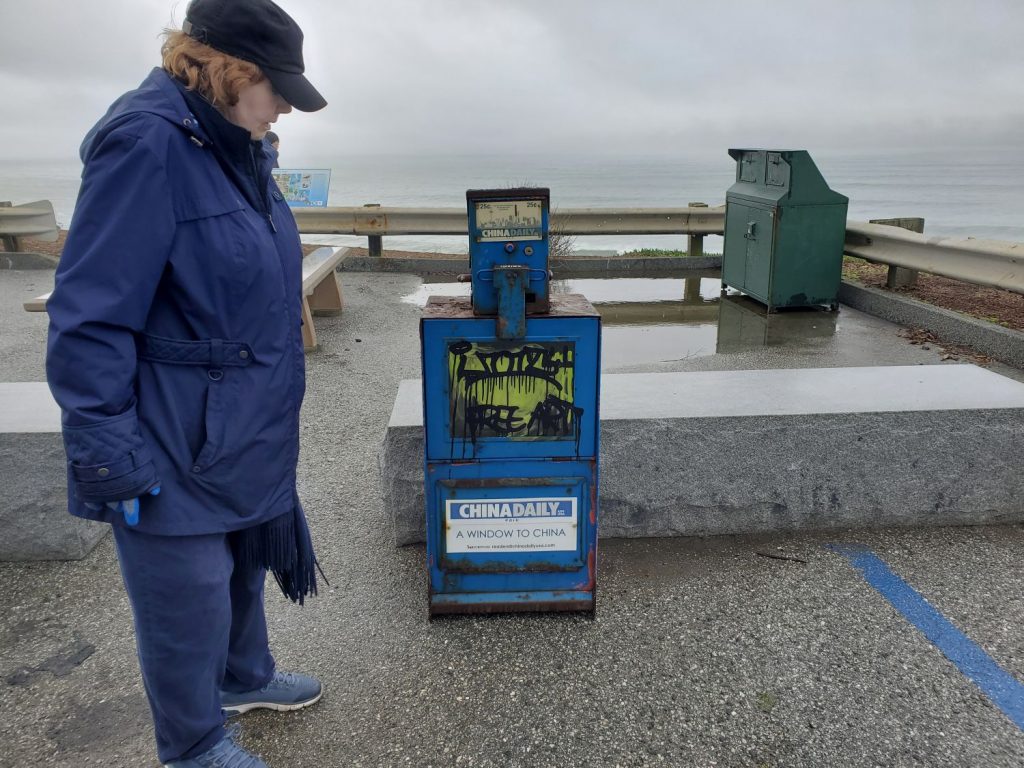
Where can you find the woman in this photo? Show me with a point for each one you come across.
(176, 356)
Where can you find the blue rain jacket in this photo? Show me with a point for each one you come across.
(175, 349)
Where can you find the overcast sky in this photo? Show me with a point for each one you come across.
(512, 76)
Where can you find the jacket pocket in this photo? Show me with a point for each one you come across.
(190, 208)
(214, 423)
(188, 388)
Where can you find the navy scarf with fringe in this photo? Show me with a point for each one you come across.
(284, 547)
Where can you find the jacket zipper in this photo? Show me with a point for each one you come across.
(261, 190)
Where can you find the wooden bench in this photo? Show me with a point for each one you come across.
(321, 291)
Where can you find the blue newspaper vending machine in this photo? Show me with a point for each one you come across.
(510, 399)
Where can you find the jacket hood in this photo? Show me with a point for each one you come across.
(157, 95)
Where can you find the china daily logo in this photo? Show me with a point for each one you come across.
(545, 524)
(523, 524)
(525, 509)
(510, 234)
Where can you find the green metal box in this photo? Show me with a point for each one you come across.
(784, 230)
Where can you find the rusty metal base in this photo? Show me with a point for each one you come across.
(511, 602)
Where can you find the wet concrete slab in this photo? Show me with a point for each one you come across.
(807, 391)
(685, 323)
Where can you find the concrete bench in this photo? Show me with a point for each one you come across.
(34, 519)
(705, 453)
(321, 291)
(38, 304)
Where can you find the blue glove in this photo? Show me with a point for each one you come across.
(128, 507)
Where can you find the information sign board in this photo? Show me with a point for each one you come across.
(303, 187)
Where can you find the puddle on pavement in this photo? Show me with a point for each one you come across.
(743, 325)
(650, 320)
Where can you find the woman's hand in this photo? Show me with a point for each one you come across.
(128, 507)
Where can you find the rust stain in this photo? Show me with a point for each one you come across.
(593, 500)
(591, 582)
(513, 605)
(461, 307)
(490, 482)
(464, 565)
(377, 223)
(448, 307)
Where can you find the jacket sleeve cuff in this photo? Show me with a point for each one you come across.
(108, 459)
(133, 483)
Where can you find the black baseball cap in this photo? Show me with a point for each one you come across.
(260, 32)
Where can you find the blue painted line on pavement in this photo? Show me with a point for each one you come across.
(1004, 690)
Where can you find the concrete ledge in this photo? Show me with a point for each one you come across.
(999, 343)
(667, 266)
(705, 453)
(401, 466)
(34, 519)
(27, 260)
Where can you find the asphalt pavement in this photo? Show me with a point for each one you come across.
(772, 651)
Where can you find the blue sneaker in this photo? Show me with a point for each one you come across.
(285, 691)
(224, 754)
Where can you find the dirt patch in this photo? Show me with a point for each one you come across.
(55, 249)
(928, 340)
(1004, 308)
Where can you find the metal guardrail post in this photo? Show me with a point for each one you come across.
(11, 244)
(695, 243)
(375, 242)
(901, 277)
(691, 290)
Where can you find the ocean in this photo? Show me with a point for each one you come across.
(960, 193)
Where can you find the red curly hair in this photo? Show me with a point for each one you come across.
(217, 77)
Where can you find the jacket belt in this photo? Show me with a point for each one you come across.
(215, 353)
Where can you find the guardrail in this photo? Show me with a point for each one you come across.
(992, 263)
(374, 222)
(984, 262)
(35, 220)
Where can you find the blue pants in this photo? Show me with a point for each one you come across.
(199, 626)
